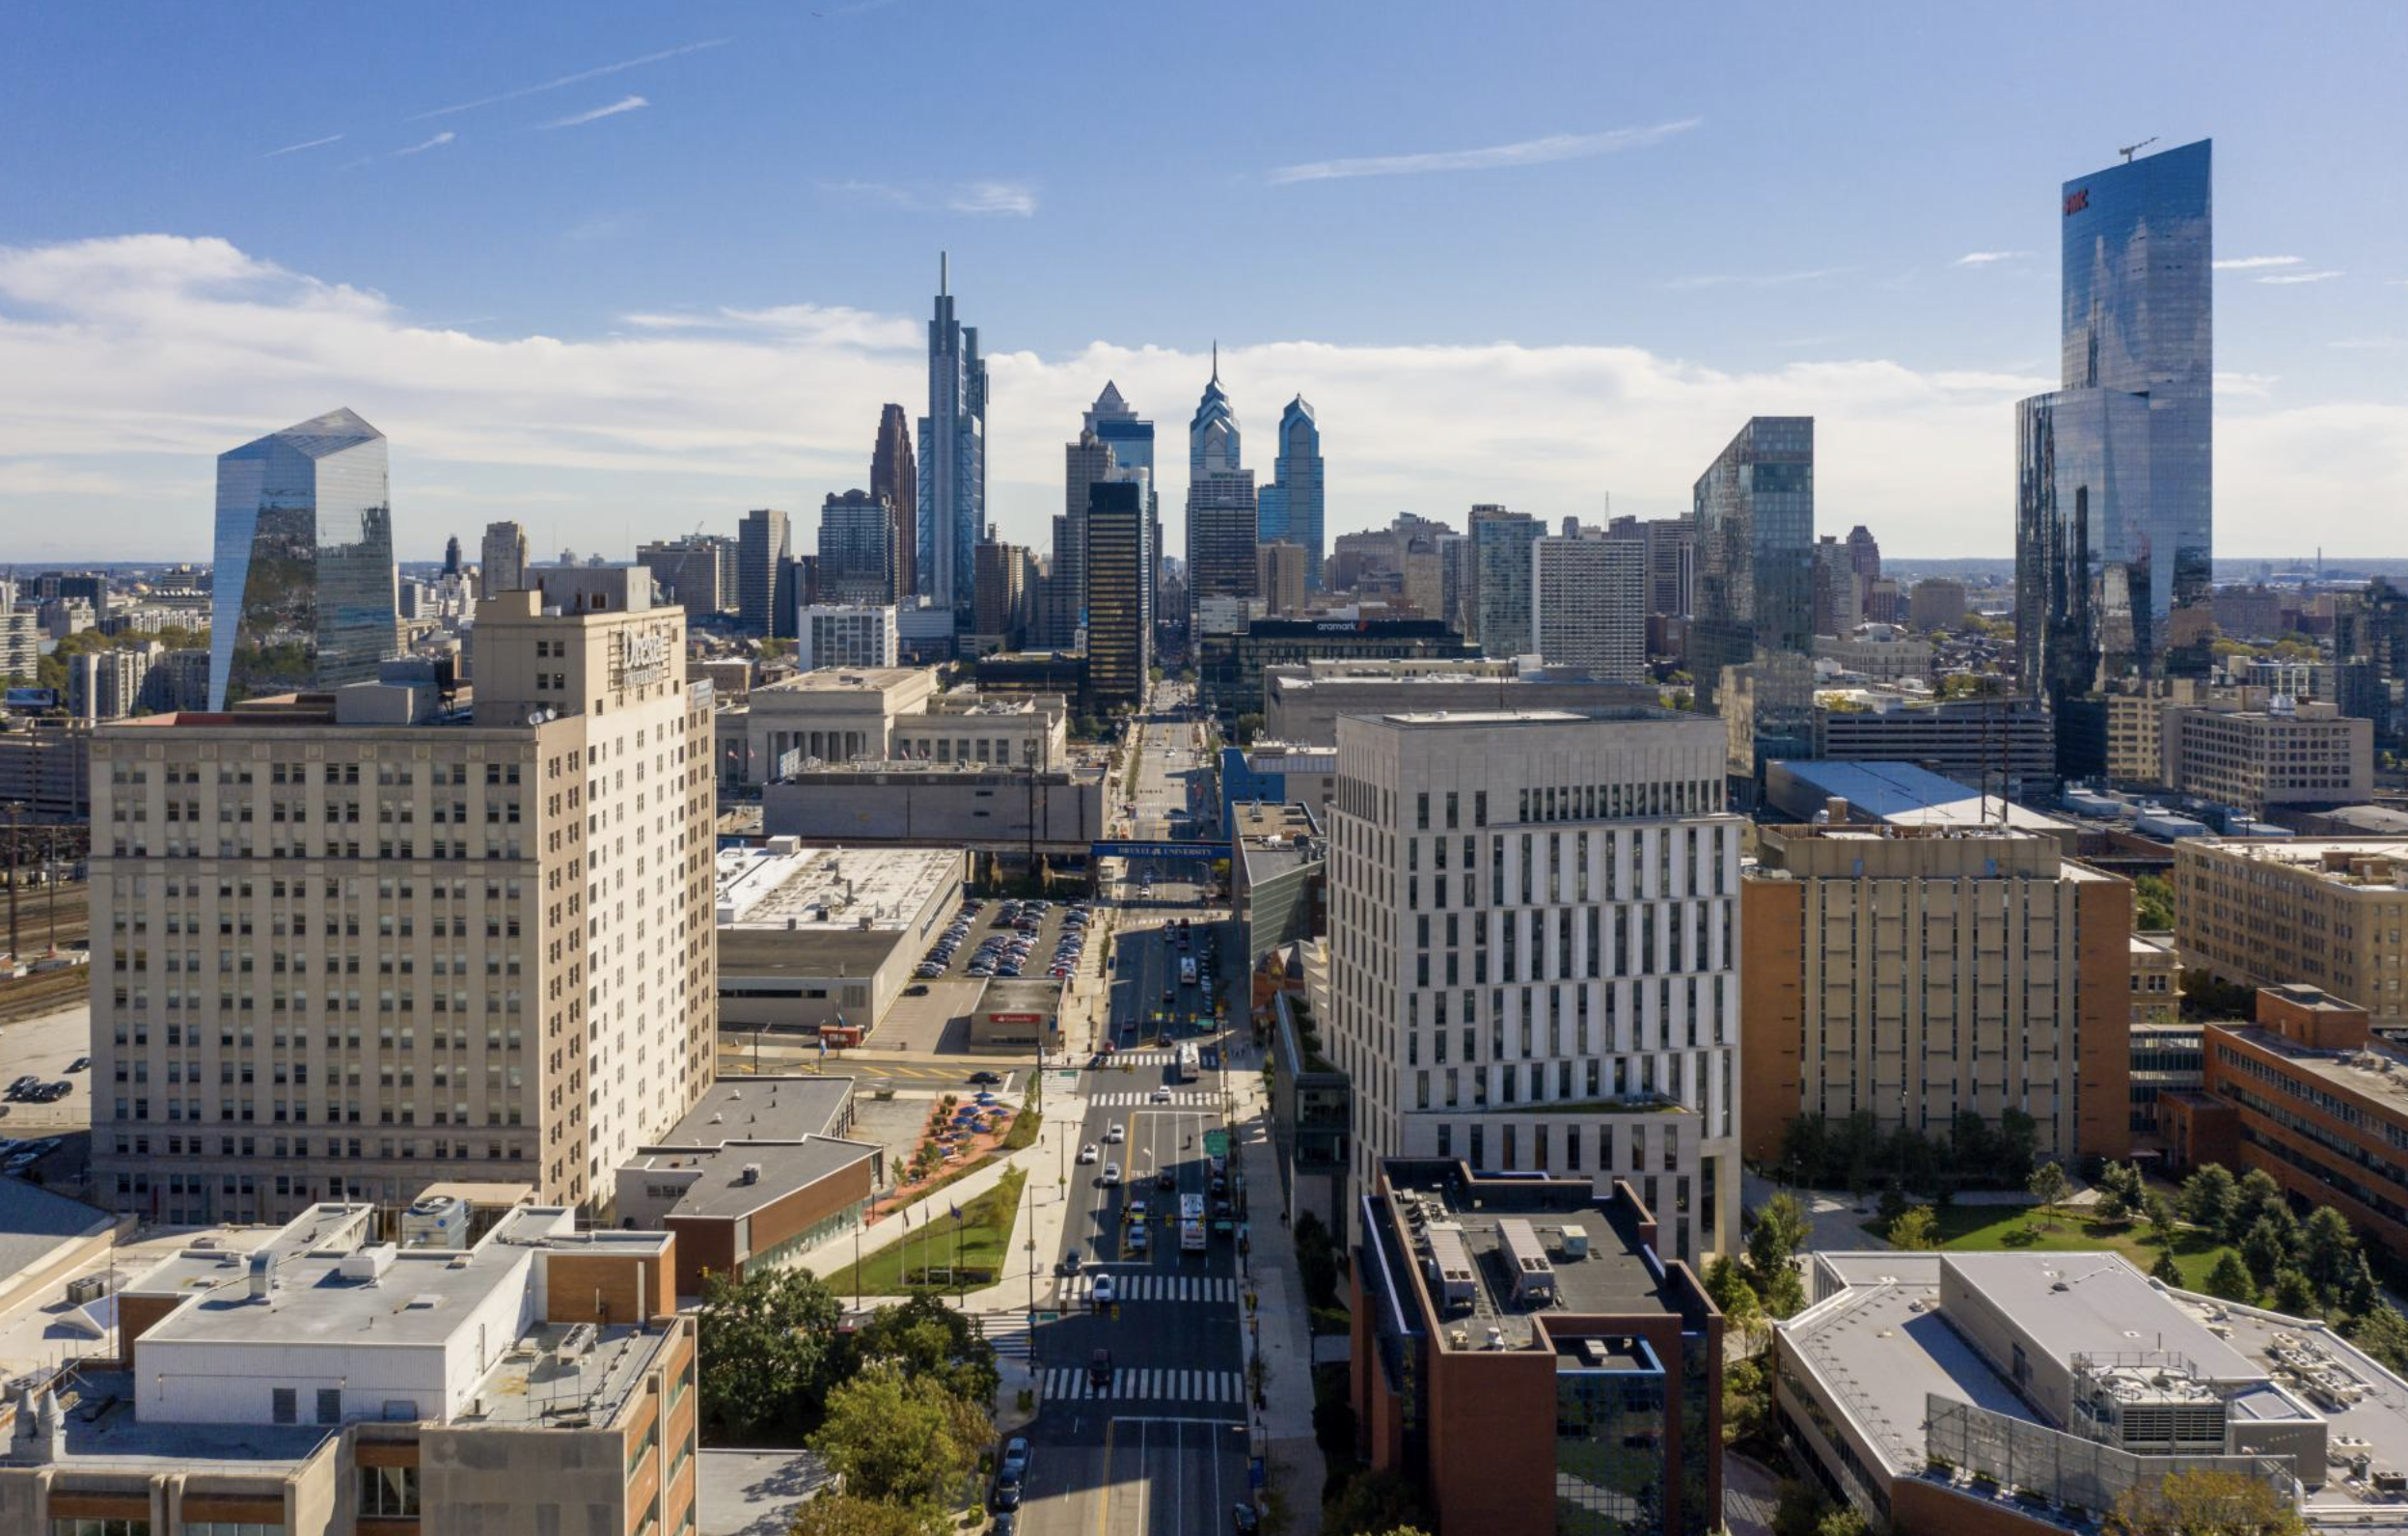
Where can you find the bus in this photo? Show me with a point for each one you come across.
(1190, 1223)
(1187, 971)
(1187, 1063)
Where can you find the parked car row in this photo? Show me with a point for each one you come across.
(31, 1089)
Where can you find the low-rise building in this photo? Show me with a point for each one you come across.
(1900, 794)
(2156, 980)
(1528, 1358)
(45, 766)
(1277, 773)
(2008, 743)
(969, 726)
(1302, 701)
(2167, 1059)
(1017, 1015)
(318, 1383)
(1230, 667)
(824, 940)
(1311, 1106)
(832, 715)
(850, 635)
(1882, 653)
(1279, 876)
(968, 805)
(2332, 913)
(2254, 760)
(2030, 1392)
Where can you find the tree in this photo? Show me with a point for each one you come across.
(2231, 1280)
(1797, 1509)
(2018, 1146)
(1317, 1260)
(895, 1436)
(927, 1338)
(2382, 1332)
(2356, 1294)
(1786, 1295)
(1373, 1504)
(1893, 1206)
(2204, 1503)
(2267, 1248)
(2258, 1195)
(768, 1343)
(1845, 1520)
(2293, 1294)
(2161, 1217)
(1745, 1401)
(2209, 1197)
(844, 1515)
(1779, 1232)
(2047, 1185)
(2153, 902)
(2328, 1249)
(2166, 1269)
(1915, 1230)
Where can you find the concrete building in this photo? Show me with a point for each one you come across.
(1302, 701)
(760, 553)
(1310, 1102)
(833, 714)
(2254, 760)
(2309, 1095)
(45, 766)
(1534, 944)
(1527, 1354)
(2027, 1393)
(687, 570)
(1918, 974)
(1588, 606)
(965, 725)
(503, 560)
(844, 635)
(323, 1383)
(344, 942)
(107, 684)
(1900, 794)
(1060, 810)
(1670, 553)
(2330, 913)
(1277, 773)
(21, 644)
(2011, 744)
(1280, 568)
(1118, 565)
(1935, 603)
(1278, 877)
(1230, 668)
(822, 941)
(2156, 980)
(1001, 601)
(1880, 653)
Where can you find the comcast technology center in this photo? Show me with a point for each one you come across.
(304, 579)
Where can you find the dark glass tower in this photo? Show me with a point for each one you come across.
(303, 588)
(893, 477)
(1754, 510)
(952, 460)
(2114, 511)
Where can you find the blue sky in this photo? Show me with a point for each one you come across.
(621, 270)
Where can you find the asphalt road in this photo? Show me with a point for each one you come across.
(1162, 1448)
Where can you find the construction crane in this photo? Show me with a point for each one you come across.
(2131, 149)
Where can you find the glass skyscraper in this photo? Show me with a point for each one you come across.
(303, 593)
(2113, 470)
(1291, 505)
(1754, 511)
(952, 459)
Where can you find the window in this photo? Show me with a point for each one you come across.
(232, 1528)
(330, 1405)
(114, 1525)
(388, 1490)
(283, 1407)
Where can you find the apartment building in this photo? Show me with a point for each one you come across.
(847, 635)
(2332, 913)
(315, 1382)
(1918, 974)
(2257, 759)
(344, 944)
(1534, 939)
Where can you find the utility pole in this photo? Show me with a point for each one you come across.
(14, 810)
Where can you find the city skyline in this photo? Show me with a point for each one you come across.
(604, 402)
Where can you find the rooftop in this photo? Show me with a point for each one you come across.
(785, 885)
(2379, 1071)
(773, 1109)
(2378, 864)
(1902, 794)
(1502, 718)
(841, 681)
(563, 1376)
(779, 1168)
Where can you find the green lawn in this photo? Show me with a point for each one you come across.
(985, 1236)
(2012, 1230)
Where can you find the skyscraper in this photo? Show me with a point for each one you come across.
(303, 586)
(1292, 503)
(893, 477)
(952, 458)
(1279, 578)
(1864, 553)
(1213, 446)
(1221, 511)
(1755, 513)
(856, 549)
(504, 560)
(760, 552)
(1501, 543)
(687, 572)
(451, 556)
(2114, 489)
(1131, 438)
(1588, 605)
(1120, 615)
(1085, 462)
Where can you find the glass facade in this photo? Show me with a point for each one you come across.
(952, 466)
(1120, 616)
(1291, 507)
(303, 594)
(1754, 515)
(1131, 438)
(2113, 501)
(1609, 1449)
(1502, 564)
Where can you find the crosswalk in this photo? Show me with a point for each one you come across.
(1008, 1332)
(1138, 1383)
(1155, 1288)
(1190, 1098)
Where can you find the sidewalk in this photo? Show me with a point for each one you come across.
(1281, 1308)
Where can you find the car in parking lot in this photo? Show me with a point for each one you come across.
(16, 1089)
(79, 1064)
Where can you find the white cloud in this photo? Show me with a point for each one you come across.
(127, 364)
(1988, 258)
(2286, 279)
(625, 104)
(1014, 199)
(1495, 157)
(445, 137)
(2245, 263)
(311, 144)
(578, 78)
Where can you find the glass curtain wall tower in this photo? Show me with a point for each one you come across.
(952, 458)
(2114, 492)
(303, 596)
(1291, 505)
(1754, 511)
(1131, 438)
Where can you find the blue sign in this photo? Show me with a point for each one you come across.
(1202, 851)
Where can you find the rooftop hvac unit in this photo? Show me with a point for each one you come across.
(752, 1174)
(578, 1341)
(1526, 1257)
(368, 1264)
(1575, 1243)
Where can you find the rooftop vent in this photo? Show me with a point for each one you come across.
(368, 1264)
(752, 1174)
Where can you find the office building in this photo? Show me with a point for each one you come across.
(2028, 1394)
(1935, 603)
(1131, 438)
(2254, 760)
(2114, 485)
(411, 955)
(1754, 508)
(1839, 597)
(107, 684)
(1292, 503)
(1670, 549)
(1279, 576)
(952, 466)
(312, 1381)
(2006, 745)
(857, 635)
(1529, 1355)
(1230, 668)
(1878, 982)
(821, 941)
(1864, 553)
(1877, 653)
(1220, 539)
(2308, 1094)
(1534, 941)
(303, 583)
(1302, 701)
(1116, 564)
(992, 809)
(1278, 875)
(1588, 606)
(858, 555)
(687, 572)
(760, 561)
(1086, 464)
(2327, 911)
(834, 714)
(895, 478)
(999, 605)
(1502, 562)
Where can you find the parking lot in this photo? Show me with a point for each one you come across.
(43, 1050)
(991, 923)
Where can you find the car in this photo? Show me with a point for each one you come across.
(80, 1064)
(1102, 1290)
(1161, 1093)
(1014, 1467)
(45, 1146)
(1135, 1216)
(1088, 1153)
(1100, 1370)
(986, 1080)
(1166, 1181)
(1072, 1262)
(1245, 1519)
(918, 989)
(1115, 1134)
(1112, 1174)
(1137, 1238)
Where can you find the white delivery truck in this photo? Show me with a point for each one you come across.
(1190, 1223)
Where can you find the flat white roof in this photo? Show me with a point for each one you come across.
(784, 885)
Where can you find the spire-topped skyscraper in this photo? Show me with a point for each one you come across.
(953, 456)
(1222, 531)
(1131, 438)
(1213, 435)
